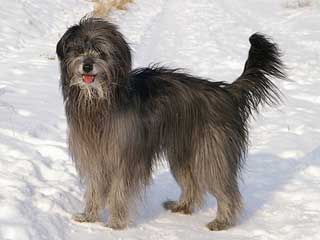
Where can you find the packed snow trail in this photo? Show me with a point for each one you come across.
(39, 188)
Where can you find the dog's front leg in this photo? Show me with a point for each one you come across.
(118, 204)
(90, 213)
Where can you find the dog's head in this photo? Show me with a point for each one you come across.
(94, 58)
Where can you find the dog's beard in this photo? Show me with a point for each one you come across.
(88, 92)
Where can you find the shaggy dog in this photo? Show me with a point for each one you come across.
(122, 121)
(103, 7)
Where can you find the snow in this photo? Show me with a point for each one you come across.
(39, 188)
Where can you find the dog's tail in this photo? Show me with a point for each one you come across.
(254, 86)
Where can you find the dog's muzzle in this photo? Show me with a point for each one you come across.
(87, 75)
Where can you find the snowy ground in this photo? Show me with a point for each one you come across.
(39, 188)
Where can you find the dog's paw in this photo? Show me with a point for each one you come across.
(175, 207)
(83, 217)
(169, 205)
(124, 8)
(216, 225)
(116, 225)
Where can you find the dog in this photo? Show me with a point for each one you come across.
(123, 121)
(102, 8)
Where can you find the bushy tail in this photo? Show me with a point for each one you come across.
(254, 86)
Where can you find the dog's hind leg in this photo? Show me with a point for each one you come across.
(190, 192)
(229, 207)
(222, 182)
(218, 162)
(92, 207)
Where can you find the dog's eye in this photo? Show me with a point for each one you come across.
(71, 49)
(75, 49)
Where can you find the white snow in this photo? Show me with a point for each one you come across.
(39, 188)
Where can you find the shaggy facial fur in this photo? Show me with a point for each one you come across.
(103, 7)
(122, 121)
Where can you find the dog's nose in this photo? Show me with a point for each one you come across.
(87, 67)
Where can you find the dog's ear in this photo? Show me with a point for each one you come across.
(62, 44)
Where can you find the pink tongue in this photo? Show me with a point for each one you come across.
(88, 78)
